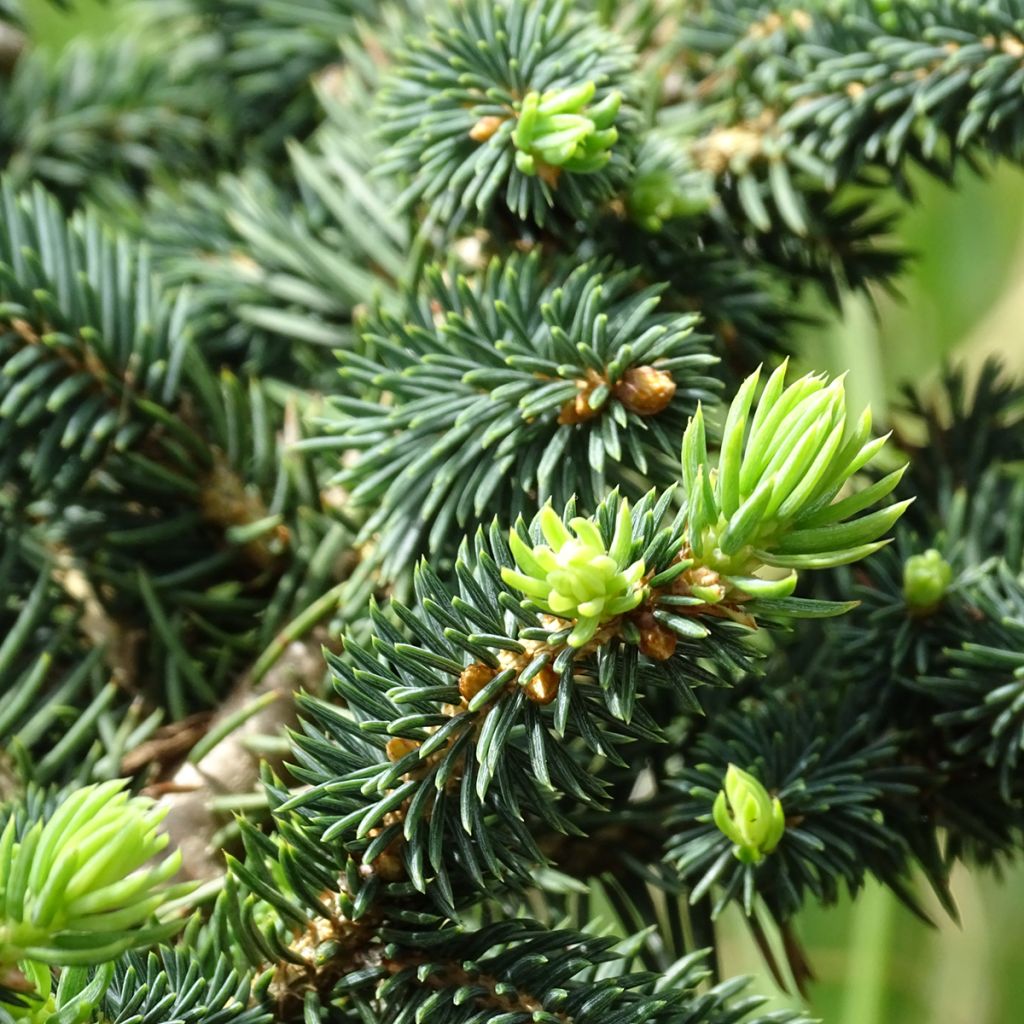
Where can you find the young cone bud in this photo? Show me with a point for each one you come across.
(558, 130)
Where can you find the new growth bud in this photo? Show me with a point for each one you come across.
(772, 498)
(575, 575)
(748, 816)
(82, 887)
(926, 578)
(558, 130)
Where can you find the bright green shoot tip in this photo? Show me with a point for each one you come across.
(560, 129)
(83, 886)
(773, 499)
(746, 814)
(926, 578)
(575, 575)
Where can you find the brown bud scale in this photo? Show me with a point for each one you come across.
(578, 408)
(543, 687)
(473, 679)
(485, 128)
(548, 174)
(657, 642)
(645, 390)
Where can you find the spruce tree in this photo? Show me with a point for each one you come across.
(427, 591)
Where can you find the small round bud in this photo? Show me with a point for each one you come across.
(583, 406)
(485, 128)
(657, 196)
(473, 679)
(543, 687)
(577, 410)
(399, 746)
(645, 390)
(926, 578)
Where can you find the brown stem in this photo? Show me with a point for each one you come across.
(231, 767)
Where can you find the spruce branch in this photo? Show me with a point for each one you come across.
(511, 969)
(601, 702)
(259, 58)
(189, 526)
(804, 100)
(114, 106)
(476, 713)
(898, 656)
(567, 386)
(416, 962)
(982, 692)
(89, 345)
(181, 984)
(510, 103)
(958, 428)
(276, 282)
(748, 307)
(469, 715)
(838, 785)
(67, 713)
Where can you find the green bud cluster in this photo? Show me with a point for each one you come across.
(926, 578)
(575, 575)
(748, 816)
(772, 499)
(556, 129)
(82, 887)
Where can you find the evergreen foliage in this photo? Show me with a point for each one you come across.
(76, 889)
(453, 339)
(462, 368)
(102, 119)
(516, 103)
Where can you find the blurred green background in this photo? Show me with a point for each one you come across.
(963, 296)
